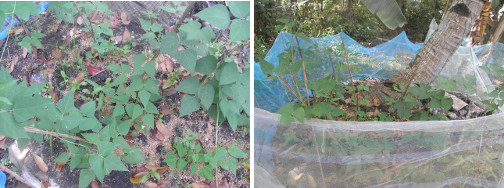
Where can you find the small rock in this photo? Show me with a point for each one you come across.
(452, 115)
(436, 110)
(463, 112)
(457, 103)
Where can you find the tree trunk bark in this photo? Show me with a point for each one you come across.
(434, 55)
(478, 31)
(498, 32)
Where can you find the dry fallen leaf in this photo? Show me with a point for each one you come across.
(56, 53)
(124, 19)
(60, 165)
(162, 170)
(40, 163)
(136, 180)
(78, 78)
(199, 185)
(117, 39)
(164, 130)
(25, 52)
(2, 141)
(168, 92)
(94, 184)
(80, 20)
(14, 62)
(151, 184)
(126, 34)
(165, 63)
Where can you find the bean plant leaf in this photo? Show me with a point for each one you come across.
(187, 58)
(171, 159)
(236, 152)
(181, 164)
(189, 85)
(240, 9)
(206, 172)
(216, 15)
(220, 155)
(229, 74)
(112, 162)
(96, 163)
(232, 164)
(206, 95)
(10, 127)
(194, 168)
(85, 178)
(88, 109)
(206, 65)
(148, 119)
(144, 97)
(189, 105)
(150, 69)
(240, 30)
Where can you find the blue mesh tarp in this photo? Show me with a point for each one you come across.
(381, 61)
(10, 22)
(372, 62)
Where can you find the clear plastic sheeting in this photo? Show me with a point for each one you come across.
(318, 153)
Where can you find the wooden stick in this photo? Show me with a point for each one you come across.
(304, 72)
(38, 131)
(184, 15)
(318, 156)
(15, 175)
(351, 79)
(291, 90)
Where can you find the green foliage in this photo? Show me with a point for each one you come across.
(33, 40)
(23, 10)
(227, 88)
(190, 153)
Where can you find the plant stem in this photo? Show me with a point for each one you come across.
(184, 15)
(38, 131)
(291, 90)
(293, 75)
(304, 72)
(23, 24)
(318, 156)
(84, 16)
(351, 79)
(15, 175)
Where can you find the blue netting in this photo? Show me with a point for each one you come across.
(381, 61)
(10, 22)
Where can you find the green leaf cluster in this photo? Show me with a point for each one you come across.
(188, 152)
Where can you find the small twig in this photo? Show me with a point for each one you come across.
(15, 175)
(255, 99)
(184, 15)
(291, 90)
(84, 16)
(304, 72)
(23, 24)
(293, 75)
(318, 156)
(38, 131)
(351, 79)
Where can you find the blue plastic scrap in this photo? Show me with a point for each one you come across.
(3, 179)
(10, 22)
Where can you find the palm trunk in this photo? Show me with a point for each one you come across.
(480, 26)
(432, 58)
(498, 32)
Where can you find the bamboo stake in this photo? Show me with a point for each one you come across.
(304, 72)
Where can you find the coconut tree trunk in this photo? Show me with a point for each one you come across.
(479, 28)
(498, 32)
(432, 58)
